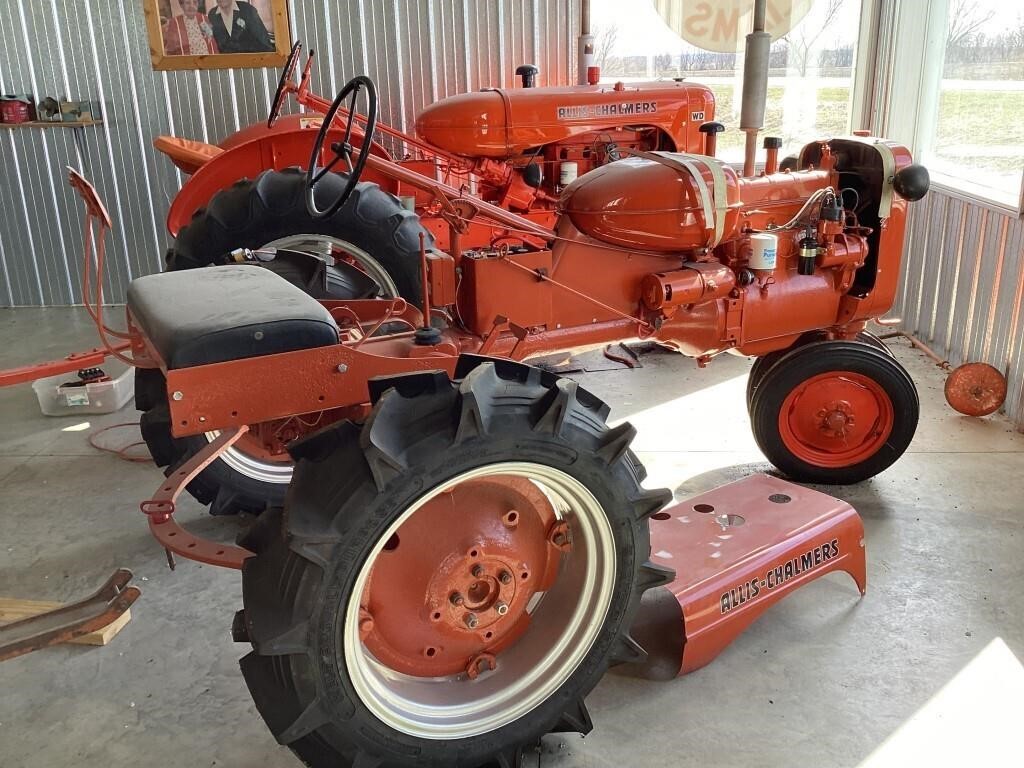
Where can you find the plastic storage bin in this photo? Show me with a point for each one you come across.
(62, 396)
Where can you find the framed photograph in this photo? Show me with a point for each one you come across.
(217, 34)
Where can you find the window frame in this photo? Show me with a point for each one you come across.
(905, 89)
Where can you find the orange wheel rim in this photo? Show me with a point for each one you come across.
(466, 617)
(836, 419)
(451, 589)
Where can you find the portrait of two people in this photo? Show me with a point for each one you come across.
(204, 27)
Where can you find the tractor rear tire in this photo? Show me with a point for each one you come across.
(312, 609)
(252, 214)
(834, 412)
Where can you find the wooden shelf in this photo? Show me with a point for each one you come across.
(51, 124)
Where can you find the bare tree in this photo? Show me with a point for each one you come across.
(604, 43)
(801, 39)
(663, 65)
(965, 18)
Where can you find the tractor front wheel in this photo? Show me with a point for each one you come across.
(448, 581)
(834, 412)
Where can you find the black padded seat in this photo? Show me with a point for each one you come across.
(213, 314)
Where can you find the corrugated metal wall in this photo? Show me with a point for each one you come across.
(416, 52)
(963, 287)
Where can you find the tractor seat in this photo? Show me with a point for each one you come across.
(187, 154)
(212, 314)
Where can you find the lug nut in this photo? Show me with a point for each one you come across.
(455, 598)
(471, 620)
(501, 608)
(504, 577)
(478, 571)
(366, 623)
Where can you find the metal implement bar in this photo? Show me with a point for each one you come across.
(62, 624)
(160, 510)
(73, 362)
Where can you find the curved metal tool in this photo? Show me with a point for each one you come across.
(72, 620)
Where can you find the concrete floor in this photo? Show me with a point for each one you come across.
(921, 671)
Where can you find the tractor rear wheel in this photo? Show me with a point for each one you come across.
(373, 232)
(449, 580)
(835, 412)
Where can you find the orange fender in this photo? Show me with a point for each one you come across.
(286, 145)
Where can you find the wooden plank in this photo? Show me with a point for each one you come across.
(12, 609)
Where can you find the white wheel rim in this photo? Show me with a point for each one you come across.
(280, 473)
(319, 244)
(565, 624)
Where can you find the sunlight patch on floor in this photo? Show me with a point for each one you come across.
(975, 719)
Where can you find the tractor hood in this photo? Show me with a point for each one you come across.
(654, 204)
(500, 123)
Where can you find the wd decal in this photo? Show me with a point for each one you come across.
(584, 111)
(779, 575)
(696, 116)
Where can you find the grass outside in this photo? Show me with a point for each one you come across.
(830, 120)
(981, 130)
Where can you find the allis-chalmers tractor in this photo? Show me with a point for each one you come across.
(515, 149)
(655, 273)
(465, 541)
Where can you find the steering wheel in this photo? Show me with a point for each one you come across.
(342, 150)
(287, 77)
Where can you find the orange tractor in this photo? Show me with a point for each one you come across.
(678, 249)
(516, 149)
(465, 540)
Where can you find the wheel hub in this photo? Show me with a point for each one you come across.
(454, 582)
(836, 419)
(480, 592)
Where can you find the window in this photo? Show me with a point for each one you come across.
(812, 66)
(950, 86)
(974, 138)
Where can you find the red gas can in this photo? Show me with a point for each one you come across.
(14, 109)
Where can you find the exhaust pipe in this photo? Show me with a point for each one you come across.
(755, 84)
(585, 46)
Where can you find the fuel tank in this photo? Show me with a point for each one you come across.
(648, 205)
(502, 123)
(658, 205)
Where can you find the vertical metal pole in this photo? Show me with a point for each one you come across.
(585, 47)
(755, 84)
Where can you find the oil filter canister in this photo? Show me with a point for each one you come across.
(763, 249)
